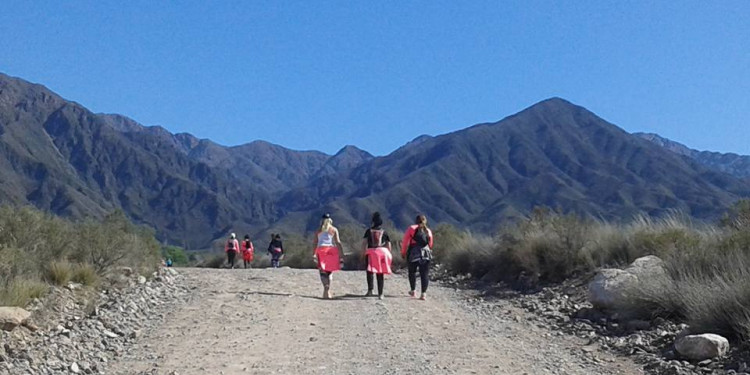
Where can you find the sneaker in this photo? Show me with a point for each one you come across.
(412, 293)
(423, 296)
(369, 293)
(380, 296)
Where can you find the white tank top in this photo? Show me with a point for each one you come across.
(325, 239)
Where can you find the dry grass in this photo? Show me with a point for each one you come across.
(708, 267)
(58, 272)
(20, 292)
(85, 274)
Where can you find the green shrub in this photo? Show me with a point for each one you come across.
(36, 246)
(58, 272)
(177, 254)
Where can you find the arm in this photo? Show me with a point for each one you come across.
(431, 237)
(337, 240)
(407, 238)
(226, 247)
(252, 249)
(315, 243)
(236, 246)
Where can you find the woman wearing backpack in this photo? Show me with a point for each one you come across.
(231, 247)
(276, 250)
(326, 253)
(416, 248)
(377, 249)
(247, 250)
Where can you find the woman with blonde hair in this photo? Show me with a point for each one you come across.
(326, 252)
(416, 248)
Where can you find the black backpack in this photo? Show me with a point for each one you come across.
(421, 252)
(230, 245)
(421, 237)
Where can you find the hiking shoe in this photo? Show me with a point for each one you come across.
(380, 296)
(412, 293)
(369, 293)
(423, 297)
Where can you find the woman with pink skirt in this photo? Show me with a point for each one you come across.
(326, 253)
(377, 249)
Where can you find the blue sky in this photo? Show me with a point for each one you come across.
(321, 75)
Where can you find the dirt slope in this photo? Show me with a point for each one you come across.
(270, 321)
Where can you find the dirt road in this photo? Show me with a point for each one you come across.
(272, 321)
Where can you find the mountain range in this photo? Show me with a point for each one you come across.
(734, 164)
(60, 157)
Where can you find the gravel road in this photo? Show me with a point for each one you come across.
(273, 321)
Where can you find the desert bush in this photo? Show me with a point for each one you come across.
(217, 260)
(738, 216)
(36, 246)
(19, 292)
(116, 241)
(84, 274)
(58, 272)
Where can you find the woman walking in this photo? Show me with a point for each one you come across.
(247, 250)
(416, 248)
(276, 250)
(231, 247)
(326, 253)
(377, 249)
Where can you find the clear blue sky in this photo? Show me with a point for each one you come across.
(321, 75)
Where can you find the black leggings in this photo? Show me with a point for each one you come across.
(424, 274)
(381, 282)
(230, 257)
(325, 278)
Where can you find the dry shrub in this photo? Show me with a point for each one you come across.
(85, 274)
(58, 272)
(19, 292)
(216, 261)
(36, 246)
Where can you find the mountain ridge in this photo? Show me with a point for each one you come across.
(58, 156)
(728, 162)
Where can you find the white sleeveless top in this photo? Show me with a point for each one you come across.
(325, 239)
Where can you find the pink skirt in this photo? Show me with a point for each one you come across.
(328, 258)
(379, 260)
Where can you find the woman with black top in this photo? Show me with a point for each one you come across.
(377, 249)
(276, 250)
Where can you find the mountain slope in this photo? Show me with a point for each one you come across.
(553, 153)
(736, 165)
(60, 157)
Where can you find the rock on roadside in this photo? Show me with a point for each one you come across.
(700, 347)
(610, 287)
(86, 343)
(12, 317)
